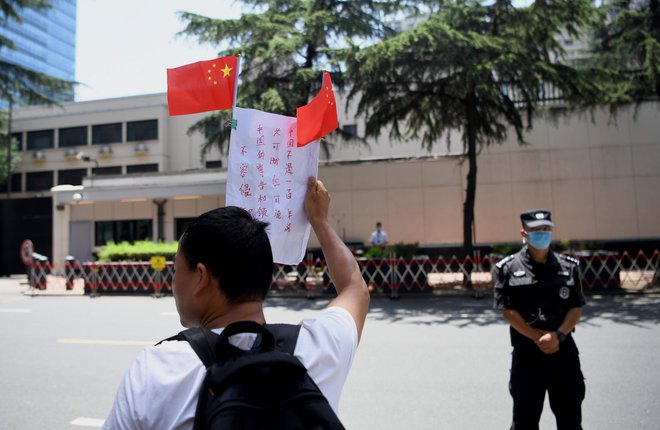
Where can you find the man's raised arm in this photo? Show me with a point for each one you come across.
(352, 292)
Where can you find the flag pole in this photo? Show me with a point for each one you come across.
(238, 71)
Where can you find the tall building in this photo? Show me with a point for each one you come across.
(45, 41)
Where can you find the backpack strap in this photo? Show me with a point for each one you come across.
(203, 342)
(286, 336)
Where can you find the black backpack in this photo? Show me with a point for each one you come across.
(266, 387)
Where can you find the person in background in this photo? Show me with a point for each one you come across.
(379, 236)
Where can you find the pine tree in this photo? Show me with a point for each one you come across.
(481, 68)
(21, 85)
(285, 46)
(627, 39)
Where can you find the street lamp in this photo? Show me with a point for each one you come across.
(86, 158)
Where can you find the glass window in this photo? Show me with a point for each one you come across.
(74, 136)
(142, 130)
(350, 129)
(38, 181)
(122, 231)
(106, 133)
(142, 168)
(181, 226)
(71, 176)
(15, 184)
(112, 170)
(41, 139)
(214, 164)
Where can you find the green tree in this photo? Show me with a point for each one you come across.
(20, 85)
(285, 43)
(627, 39)
(481, 68)
(15, 153)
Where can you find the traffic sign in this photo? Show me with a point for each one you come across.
(158, 263)
(27, 249)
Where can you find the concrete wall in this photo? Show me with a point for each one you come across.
(600, 179)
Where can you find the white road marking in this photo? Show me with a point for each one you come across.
(15, 310)
(88, 422)
(107, 342)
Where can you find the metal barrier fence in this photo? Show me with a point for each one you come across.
(390, 276)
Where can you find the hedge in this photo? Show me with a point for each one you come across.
(137, 251)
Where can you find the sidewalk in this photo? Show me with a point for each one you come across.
(55, 286)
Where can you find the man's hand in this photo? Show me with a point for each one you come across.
(548, 343)
(317, 202)
(352, 292)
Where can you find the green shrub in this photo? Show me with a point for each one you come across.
(137, 251)
(401, 250)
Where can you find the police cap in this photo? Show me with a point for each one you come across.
(536, 218)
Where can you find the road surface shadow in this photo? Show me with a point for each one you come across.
(466, 311)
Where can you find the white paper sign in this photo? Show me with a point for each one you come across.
(267, 176)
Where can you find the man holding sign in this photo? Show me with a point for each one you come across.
(223, 270)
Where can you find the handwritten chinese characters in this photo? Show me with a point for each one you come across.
(267, 176)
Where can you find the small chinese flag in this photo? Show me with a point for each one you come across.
(318, 117)
(202, 86)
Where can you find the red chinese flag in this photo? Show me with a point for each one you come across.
(202, 86)
(318, 117)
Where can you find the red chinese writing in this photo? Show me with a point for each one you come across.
(245, 190)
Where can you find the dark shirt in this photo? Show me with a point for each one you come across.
(542, 293)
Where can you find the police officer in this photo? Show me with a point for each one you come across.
(540, 295)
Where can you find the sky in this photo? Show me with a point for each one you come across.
(124, 47)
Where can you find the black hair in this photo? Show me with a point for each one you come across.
(235, 248)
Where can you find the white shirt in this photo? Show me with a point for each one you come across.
(160, 389)
(379, 237)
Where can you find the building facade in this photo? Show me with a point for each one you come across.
(45, 41)
(123, 169)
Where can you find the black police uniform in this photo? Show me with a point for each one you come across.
(542, 293)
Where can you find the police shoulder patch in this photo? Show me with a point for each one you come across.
(504, 261)
(570, 259)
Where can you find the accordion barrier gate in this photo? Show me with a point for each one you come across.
(389, 276)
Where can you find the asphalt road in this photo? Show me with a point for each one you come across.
(437, 363)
